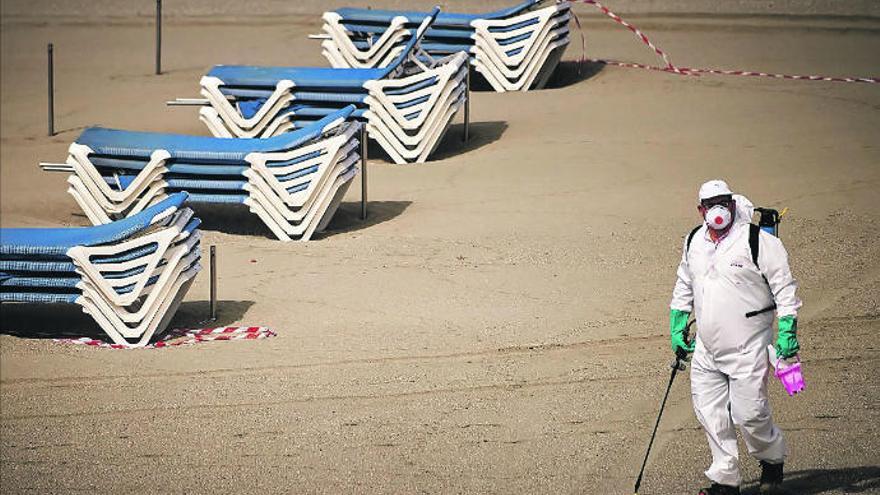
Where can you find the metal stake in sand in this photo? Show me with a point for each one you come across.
(213, 268)
(51, 68)
(467, 107)
(158, 37)
(364, 171)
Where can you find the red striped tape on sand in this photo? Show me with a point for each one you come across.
(668, 66)
(180, 337)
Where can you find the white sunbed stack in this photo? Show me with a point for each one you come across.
(294, 181)
(129, 275)
(407, 105)
(514, 49)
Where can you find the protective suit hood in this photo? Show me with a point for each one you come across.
(744, 209)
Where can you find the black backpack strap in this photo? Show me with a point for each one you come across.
(691, 237)
(754, 244)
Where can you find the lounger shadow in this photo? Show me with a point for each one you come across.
(481, 134)
(59, 321)
(571, 72)
(348, 216)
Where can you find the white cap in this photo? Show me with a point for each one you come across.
(714, 188)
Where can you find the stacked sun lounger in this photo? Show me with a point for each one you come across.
(407, 105)
(129, 275)
(293, 182)
(515, 49)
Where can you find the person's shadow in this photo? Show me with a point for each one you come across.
(862, 479)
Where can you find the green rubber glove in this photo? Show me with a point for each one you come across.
(786, 342)
(678, 321)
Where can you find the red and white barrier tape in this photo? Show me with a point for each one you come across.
(180, 337)
(668, 66)
(577, 21)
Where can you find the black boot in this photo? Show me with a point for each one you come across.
(717, 489)
(771, 479)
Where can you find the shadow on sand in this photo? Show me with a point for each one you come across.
(481, 134)
(863, 479)
(58, 321)
(572, 72)
(348, 216)
(231, 219)
(566, 73)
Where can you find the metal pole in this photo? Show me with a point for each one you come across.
(467, 107)
(213, 269)
(158, 37)
(364, 171)
(51, 65)
(188, 102)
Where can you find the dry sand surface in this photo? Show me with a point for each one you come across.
(499, 323)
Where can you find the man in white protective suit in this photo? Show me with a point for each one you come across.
(730, 268)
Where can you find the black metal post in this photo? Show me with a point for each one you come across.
(467, 107)
(364, 171)
(51, 67)
(158, 37)
(213, 268)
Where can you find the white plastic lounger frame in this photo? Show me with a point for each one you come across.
(404, 139)
(381, 53)
(546, 37)
(549, 20)
(407, 134)
(280, 98)
(341, 59)
(274, 216)
(157, 285)
(118, 331)
(152, 299)
(503, 79)
(162, 238)
(291, 185)
(331, 150)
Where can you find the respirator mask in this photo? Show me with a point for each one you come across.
(718, 217)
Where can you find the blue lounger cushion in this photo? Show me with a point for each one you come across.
(319, 96)
(38, 297)
(43, 291)
(458, 35)
(8, 281)
(62, 266)
(249, 107)
(444, 19)
(184, 168)
(56, 241)
(218, 198)
(312, 77)
(114, 142)
(184, 183)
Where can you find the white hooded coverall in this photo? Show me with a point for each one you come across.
(719, 283)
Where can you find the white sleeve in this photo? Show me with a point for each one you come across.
(773, 260)
(683, 293)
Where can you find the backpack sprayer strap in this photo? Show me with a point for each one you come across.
(754, 242)
(769, 219)
(752, 314)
